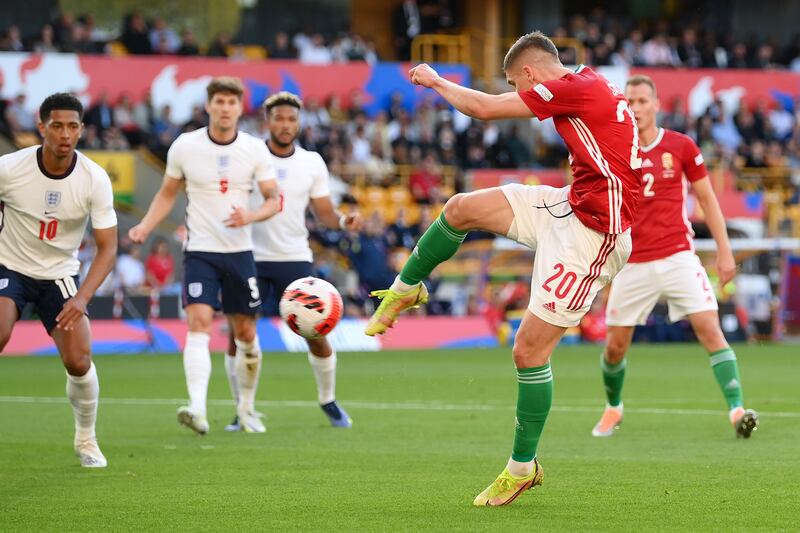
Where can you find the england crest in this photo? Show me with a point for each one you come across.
(195, 289)
(52, 199)
(281, 174)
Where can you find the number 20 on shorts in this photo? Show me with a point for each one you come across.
(564, 286)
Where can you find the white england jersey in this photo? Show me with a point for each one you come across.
(43, 216)
(284, 237)
(219, 177)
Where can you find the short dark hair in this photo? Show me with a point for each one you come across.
(225, 84)
(60, 101)
(282, 98)
(641, 79)
(535, 39)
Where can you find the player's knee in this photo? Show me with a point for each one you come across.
(455, 213)
(526, 356)
(78, 364)
(615, 350)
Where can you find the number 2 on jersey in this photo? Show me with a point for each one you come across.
(649, 180)
(48, 230)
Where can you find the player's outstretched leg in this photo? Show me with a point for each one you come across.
(532, 347)
(83, 390)
(322, 358)
(230, 371)
(726, 371)
(486, 210)
(612, 364)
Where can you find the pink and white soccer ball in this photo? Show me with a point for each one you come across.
(311, 307)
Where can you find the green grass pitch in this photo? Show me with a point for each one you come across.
(431, 430)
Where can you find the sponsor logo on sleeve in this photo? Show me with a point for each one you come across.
(544, 92)
(698, 160)
(3, 283)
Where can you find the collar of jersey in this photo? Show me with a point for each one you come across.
(287, 156)
(579, 68)
(40, 162)
(655, 142)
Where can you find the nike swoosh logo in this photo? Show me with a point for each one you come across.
(47, 213)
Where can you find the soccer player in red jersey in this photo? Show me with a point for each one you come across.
(581, 232)
(663, 262)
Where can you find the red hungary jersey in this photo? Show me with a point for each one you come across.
(662, 227)
(593, 118)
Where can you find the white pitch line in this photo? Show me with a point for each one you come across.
(389, 406)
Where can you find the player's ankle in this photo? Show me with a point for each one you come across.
(520, 468)
(400, 286)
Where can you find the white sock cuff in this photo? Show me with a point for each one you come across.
(247, 346)
(90, 375)
(323, 363)
(400, 286)
(198, 338)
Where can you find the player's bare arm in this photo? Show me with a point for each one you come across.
(160, 207)
(75, 308)
(332, 217)
(726, 265)
(475, 104)
(271, 207)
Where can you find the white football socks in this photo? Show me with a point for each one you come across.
(400, 286)
(519, 469)
(83, 392)
(248, 369)
(325, 373)
(230, 370)
(197, 367)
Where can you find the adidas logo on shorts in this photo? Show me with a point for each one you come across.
(550, 307)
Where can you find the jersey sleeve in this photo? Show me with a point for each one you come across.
(320, 187)
(3, 178)
(175, 160)
(102, 209)
(555, 98)
(265, 167)
(693, 165)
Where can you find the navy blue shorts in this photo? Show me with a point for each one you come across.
(47, 296)
(274, 277)
(209, 278)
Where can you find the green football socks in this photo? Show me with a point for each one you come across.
(723, 363)
(533, 404)
(438, 244)
(613, 379)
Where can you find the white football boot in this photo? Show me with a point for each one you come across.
(89, 454)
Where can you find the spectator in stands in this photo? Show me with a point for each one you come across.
(188, 45)
(113, 139)
(62, 28)
(164, 131)
(281, 49)
(401, 233)
(80, 43)
(12, 41)
(219, 46)
(425, 181)
(199, 120)
(163, 38)
(656, 52)
(160, 266)
(676, 118)
(100, 115)
(135, 36)
(368, 253)
(688, 53)
(738, 57)
(46, 42)
(407, 25)
(313, 51)
(632, 49)
(130, 271)
(125, 120)
(91, 140)
(19, 118)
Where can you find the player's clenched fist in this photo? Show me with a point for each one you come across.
(423, 75)
(138, 233)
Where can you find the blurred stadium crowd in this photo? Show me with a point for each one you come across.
(400, 165)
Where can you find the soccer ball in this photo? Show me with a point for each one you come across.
(311, 307)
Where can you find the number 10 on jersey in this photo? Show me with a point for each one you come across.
(48, 229)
